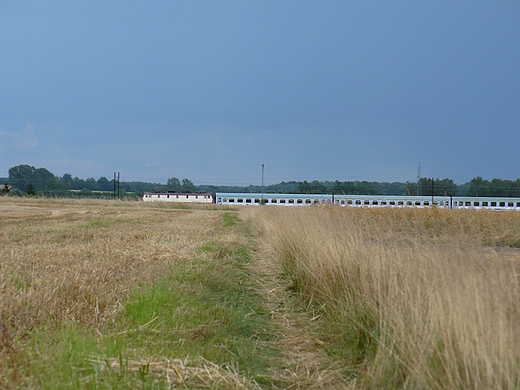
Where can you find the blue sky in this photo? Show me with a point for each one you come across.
(210, 90)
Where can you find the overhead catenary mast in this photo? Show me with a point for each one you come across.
(262, 201)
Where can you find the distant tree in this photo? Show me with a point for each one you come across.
(479, 187)
(103, 184)
(91, 183)
(445, 187)
(412, 189)
(314, 187)
(30, 189)
(366, 188)
(188, 186)
(67, 180)
(41, 179)
(174, 184)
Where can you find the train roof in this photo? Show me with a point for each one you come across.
(271, 195)
(178, 193)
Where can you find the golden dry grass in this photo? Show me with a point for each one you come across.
(75, 261)
(412, 298)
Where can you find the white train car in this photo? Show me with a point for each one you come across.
(476, 203)
(244, 199)
(391, 201)
(178, 197)
(479, 203)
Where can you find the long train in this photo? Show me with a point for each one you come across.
(446, 202)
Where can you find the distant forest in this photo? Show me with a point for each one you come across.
(28, 180)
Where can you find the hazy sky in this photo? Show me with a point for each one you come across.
(211, 90)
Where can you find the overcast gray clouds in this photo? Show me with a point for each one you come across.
(347, 90)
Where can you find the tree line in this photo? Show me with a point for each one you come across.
(28, 180)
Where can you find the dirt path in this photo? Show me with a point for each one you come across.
(306, 364)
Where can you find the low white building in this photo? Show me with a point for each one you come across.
(179, 197)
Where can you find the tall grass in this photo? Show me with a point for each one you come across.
(411, 298)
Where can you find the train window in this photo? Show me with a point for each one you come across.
(187, 196)
(493, 204)
(417, 202)
(240, 200)
(392, 203)
(299, 201)
(349, 201)
(375, 202)
(366, 202)
(485, 204)
(316, 201)
(476, 204)
(358, 202)
(248, 200)
(274, 200)
(219, 200)
(342, 201)
(400, 203)
(426, 203)
(308, 201)
(282, 200)
(383, 203)
(502, 204)
(510, 204)
(231, 200)
(257, 200)
(409, 203)
(291, 201)
(467, 204)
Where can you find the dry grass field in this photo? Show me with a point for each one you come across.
(66, 262)
(75, 260)
(409, 298)
(110, 294)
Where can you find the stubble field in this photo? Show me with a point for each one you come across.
(109, 294)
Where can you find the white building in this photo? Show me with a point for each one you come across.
(179, 197)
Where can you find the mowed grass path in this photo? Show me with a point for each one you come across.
(109, 294)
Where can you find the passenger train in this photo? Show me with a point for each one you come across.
(446, 202)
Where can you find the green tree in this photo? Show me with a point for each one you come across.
(103, 184)
(41, 179)
(174, 184)
(30, 189)
(188, 186)
(479, 187)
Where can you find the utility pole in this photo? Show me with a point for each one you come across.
(433, 180)
(262, 201)
(114, 185)
(419, 177)
(118, 185)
